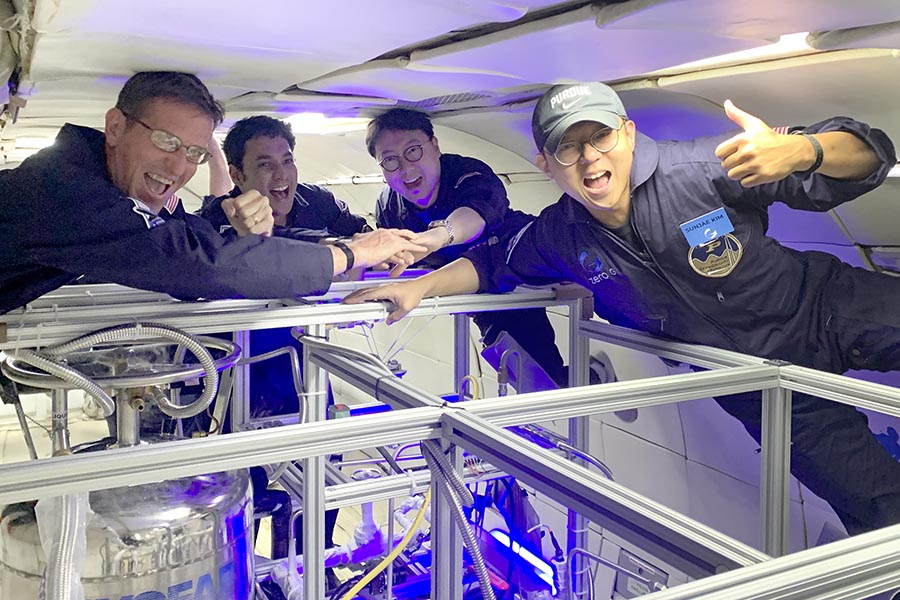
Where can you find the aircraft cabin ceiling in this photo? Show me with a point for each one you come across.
(475, 65)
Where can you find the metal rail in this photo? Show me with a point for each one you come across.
(51, 326)
(849, 569)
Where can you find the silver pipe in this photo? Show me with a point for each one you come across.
(128, 420)
(374, 461)
(449, 473)
(573, 451)
(61, 578)
(444, 486)
(154, 330)
(400, 450)
(65, 373)
(503, 374)
(295, 374)
(320, 344)
(620, 569)
(59, 428)
(26, 431)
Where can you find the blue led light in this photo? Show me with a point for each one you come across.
(541, 567)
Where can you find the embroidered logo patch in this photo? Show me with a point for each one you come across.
(717, 258)
(595, 268)
(592, 264)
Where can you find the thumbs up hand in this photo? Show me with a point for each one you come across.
(758, 154)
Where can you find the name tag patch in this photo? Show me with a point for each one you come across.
(706, 228)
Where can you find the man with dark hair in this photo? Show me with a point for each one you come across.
(455, 202)
(671, 238)
(259, 151)
(114, 218)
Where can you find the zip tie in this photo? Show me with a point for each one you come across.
(378, 382)
(413, 485)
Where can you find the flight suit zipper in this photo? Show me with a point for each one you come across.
(653, 267)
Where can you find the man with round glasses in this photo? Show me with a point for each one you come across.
(671, 239)
(113, 216)
(454, 202)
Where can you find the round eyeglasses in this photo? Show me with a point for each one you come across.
(168, 142)
(603, 140)
(412, 154)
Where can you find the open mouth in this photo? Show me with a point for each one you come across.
(413, 184)
(158, 185)
(279, 193)
(599, 182)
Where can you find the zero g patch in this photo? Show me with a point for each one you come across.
(717, 258)
(706, 228)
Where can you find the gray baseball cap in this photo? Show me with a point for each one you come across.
(564, 105)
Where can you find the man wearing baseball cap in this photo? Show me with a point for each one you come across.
(671, 239)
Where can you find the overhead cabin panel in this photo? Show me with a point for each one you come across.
(107, 36)
(399, 78)
(659, 113)
(806, 89)
(884, 35)
(581, 45)
(761, 19)
(872, 220)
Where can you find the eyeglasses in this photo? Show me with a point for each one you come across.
(168, 142)
(412, 154)
(603, 140)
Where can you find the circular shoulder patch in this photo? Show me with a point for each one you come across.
(717, 258)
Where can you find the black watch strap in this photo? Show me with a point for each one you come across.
(351, 258)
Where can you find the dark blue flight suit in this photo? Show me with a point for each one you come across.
(743, 292)
(471, 183)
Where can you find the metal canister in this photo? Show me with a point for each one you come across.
(184, 538)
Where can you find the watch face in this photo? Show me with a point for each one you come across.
(446, 225)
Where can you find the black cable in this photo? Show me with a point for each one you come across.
(344, 587)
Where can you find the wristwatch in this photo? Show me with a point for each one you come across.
(343, 247)
(445, 224)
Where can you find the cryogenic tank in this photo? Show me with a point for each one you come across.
(185, 538)
(178, 539)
